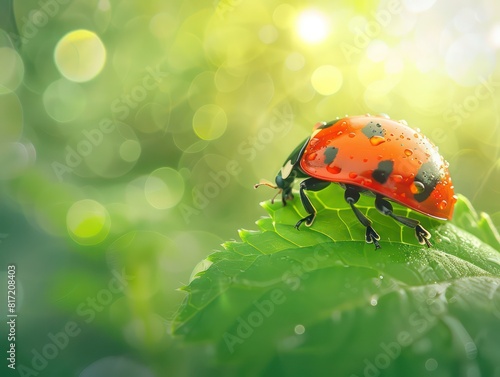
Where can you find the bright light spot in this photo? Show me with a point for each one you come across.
(495, 36)
(88, 222)
(312, 26)
(130, 150)
(326, 80)
(80, 55)
(11, 70)
(295, 61)
(377, 51)
(268, 34)
(209, 122)
(373, 301)
(418, 6)
(164, 188)
(299, 329)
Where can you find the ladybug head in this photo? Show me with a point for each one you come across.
(283, 183)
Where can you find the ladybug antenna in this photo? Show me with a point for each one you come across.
(264, 182)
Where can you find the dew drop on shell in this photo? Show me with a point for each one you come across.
(311, 156)
(397, 178)
(377, 140)
(417, 187)
(334, 169)
(442, 204)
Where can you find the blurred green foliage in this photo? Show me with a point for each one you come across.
(131, 134)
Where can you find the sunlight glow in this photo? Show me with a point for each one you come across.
(312, 26)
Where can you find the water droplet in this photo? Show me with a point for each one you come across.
(311, 156)
(366, 182)
(402, 121)
(352, 134)
(408, 152)
(379, 157)
(352, 175)
(334, 169)
(454, 198)
(417, 187)
(397, 178)
(415, 135)
(313, 141)
(442, 204)
(436, 194)
(381, 276)
(339, 133)
(373, 301)
(377, 140)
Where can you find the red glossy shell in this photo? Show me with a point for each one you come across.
(383, 156)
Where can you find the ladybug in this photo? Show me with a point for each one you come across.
(371, 155)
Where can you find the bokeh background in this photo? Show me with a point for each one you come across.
(131, 134)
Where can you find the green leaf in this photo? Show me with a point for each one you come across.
(320, 301)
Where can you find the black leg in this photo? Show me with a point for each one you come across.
(351, 196)
(310, 184)
(385, 207)
(286, 195)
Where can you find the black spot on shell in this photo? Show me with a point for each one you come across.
(373, 129)
(330, 154)
(383, 171)
(429, 176)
